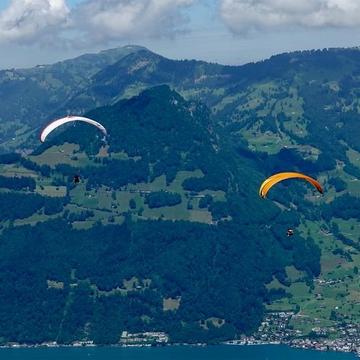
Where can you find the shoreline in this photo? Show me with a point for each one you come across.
(304, 344)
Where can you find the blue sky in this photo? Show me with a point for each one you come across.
(226, 31)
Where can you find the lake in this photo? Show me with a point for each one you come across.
(265, 352)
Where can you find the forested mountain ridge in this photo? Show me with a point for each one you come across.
(107, 255)
(30, 97)
(78, 85)
(175, 159)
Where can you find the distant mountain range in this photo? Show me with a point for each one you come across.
(166, 230)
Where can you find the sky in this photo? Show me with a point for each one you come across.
(225, 31)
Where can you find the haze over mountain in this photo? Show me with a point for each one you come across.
(166, 230)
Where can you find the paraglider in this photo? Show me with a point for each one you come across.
(274, 179)
(290, 232)
(76, 179)
(59, 122)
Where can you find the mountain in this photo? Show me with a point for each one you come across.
(78, 85)
(209, 146)
(138, 71)
(30, 97)
(304, 116)
(165, 231)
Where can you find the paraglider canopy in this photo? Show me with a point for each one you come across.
(59, 122)
(274, 179)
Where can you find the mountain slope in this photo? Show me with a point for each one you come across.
(31, 96)
(296, 111)
(75, 86)
(305, 118)
(144, 69)
(106, 256)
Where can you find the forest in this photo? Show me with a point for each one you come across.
(216, 271)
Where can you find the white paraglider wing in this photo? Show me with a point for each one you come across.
(55, 124)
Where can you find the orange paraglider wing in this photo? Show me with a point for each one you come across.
(274, 179)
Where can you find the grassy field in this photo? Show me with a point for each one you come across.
(336, 290)
(63, 154)
(15, 170)
(34, 219)
(109, 205)
(268, 141)
(50, 190)
(261, 98)
(171, 304)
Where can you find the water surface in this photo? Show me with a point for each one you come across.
(266, 352)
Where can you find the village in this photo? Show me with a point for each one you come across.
(276, 329)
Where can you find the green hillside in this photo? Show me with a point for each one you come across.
(305, 117)
(165, 231)
(30, 97)
(181, 171)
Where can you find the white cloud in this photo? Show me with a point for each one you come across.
(108, 20)
(91, 21)
(242, 16)
(26, 21)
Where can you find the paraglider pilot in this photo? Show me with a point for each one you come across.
(76, 179)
